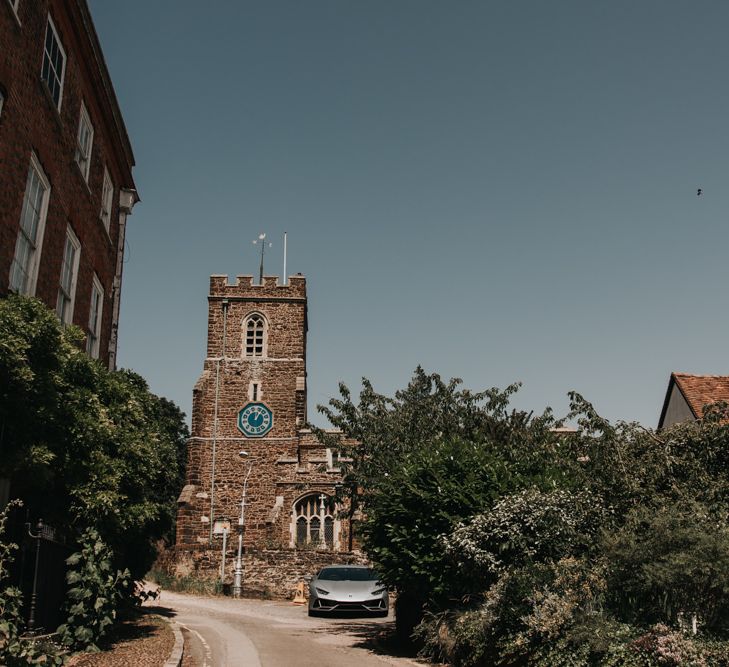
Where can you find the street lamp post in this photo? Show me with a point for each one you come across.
(34, 596)
(238, 572)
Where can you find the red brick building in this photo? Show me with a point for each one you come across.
(65, 168)
(251, 398)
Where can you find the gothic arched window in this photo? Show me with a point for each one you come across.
(254, 332)
(309, 514)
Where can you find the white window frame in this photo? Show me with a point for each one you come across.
(107, 199)
(93, 338)
(14, 4)
(264, 337)
(67, 292)
(51, 66)
(30, 270)
(84, 149)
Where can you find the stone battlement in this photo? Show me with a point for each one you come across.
(245, 288)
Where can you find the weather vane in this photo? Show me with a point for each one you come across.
(262, 240)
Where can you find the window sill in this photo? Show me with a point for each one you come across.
(107, 231)
(83, 177)
(287, 461)
(80, 176)
(49, 98)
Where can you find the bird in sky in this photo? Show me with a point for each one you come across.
(699, 192)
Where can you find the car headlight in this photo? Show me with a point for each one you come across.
(321, 591)
(379, 591)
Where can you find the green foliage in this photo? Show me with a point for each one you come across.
(95, 593)
(526, 610)
(189, 583)
(669, 560)
(430, 411)
(11, 619)
(82, 445)
(426, 460)
(663, 646)
(527, 527)
(525, 547)
(629, 465)
(426, 497)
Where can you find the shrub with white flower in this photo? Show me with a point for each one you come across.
(528, 526)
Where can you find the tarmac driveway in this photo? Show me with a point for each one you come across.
(223, 632)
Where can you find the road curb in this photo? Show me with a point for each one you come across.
(175, 659)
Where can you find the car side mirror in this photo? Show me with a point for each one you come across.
(308, 578)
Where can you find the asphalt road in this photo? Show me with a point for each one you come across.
(223, 632)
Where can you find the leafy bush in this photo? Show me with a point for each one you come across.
(11, 599)
(95, 594)
(525, 547)
(85, 446)
(663, 646)
(189, 583)
(670, 560)
(525, 527)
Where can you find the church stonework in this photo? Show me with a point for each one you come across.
(251, 398)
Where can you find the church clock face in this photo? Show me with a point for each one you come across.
(255, 420)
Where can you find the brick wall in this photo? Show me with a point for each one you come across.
(30, 122)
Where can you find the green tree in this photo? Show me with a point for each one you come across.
(83, 446)
(424, 460)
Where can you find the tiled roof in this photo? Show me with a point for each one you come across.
(699, 390)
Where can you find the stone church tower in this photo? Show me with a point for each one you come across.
(248, 422)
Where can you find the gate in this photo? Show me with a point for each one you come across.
(39, 571)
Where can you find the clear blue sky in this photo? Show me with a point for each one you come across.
(498, 191)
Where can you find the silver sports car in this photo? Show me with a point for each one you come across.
(339, 588)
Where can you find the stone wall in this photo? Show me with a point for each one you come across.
(287, 463)
(268, 573)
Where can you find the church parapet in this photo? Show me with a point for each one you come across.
(244, 287)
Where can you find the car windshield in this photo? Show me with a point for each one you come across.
(348, 574)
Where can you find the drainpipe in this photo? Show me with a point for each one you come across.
(224, 305)
(127, 199)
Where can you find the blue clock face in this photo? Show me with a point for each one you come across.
(255, 420)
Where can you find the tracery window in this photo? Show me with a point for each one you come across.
(255, 336)
(309, 514)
